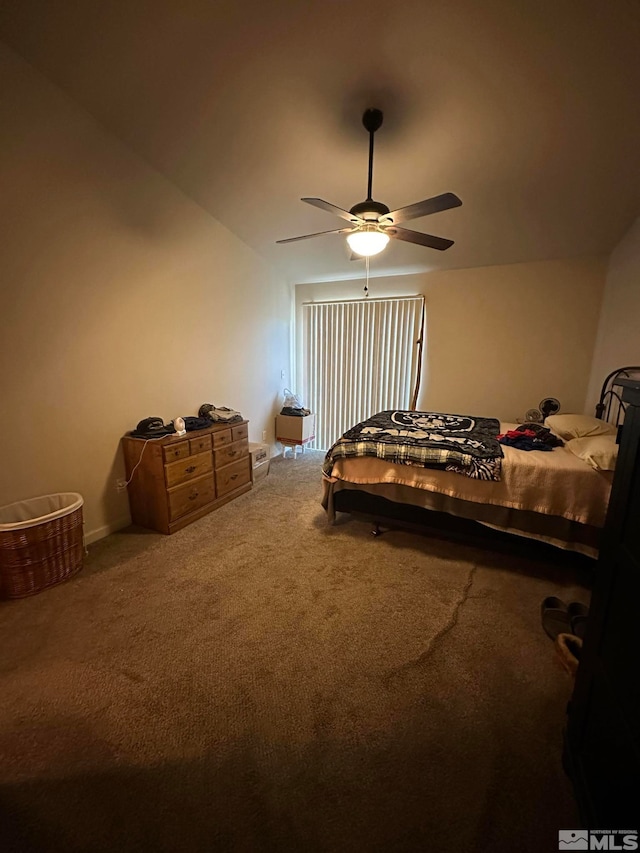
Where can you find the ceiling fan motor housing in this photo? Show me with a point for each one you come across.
(369, 210)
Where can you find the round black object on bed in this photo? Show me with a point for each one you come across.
(549, 406)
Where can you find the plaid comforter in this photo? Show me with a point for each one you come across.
(460, 443)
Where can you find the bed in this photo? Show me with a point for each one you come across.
(554, 497)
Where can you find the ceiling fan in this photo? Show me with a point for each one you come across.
(372, 223)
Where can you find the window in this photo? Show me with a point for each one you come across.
(360, 358)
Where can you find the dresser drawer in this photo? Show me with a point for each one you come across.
(180, 450)
(199, 445)
(230, 453)
(187, 469)
(191, 496)
(232, 476)
(239, 432)
(221, 438)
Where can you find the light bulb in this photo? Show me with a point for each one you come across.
(368, 240)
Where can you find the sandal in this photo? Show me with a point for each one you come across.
(578, 614)
(555, 617)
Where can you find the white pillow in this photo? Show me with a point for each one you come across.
(578, 426)
(599, 451)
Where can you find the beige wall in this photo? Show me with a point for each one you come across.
(499, 339)
(119, 299)
(618, 340)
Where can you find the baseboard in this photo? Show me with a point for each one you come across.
(92, 536)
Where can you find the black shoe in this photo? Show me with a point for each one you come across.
(578, 614)
(555, 617)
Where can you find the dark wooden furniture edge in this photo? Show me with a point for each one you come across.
(610, 642)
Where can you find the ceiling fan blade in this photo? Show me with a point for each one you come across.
(331, 208)
(429, 240)
(317, 234)
(424, 208)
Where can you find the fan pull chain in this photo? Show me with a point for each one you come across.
(366, 284)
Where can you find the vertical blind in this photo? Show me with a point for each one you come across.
(359, 358)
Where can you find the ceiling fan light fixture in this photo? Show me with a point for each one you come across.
(372, 223)
(368, 240)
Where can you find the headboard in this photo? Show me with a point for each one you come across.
(610, 407)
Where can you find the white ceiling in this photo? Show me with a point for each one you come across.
(526, 110)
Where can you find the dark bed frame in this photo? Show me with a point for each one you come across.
(610, 407)
(384, 513)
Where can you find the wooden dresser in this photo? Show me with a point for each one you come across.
(180, 479)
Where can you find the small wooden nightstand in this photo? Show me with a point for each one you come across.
(295, 432)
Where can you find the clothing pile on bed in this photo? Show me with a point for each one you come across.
(531, 436)
(460, 443)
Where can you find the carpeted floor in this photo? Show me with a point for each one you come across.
(261, 681)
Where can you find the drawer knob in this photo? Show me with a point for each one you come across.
(193, 496)
(234, 476)
(190, 469)
(232, 452)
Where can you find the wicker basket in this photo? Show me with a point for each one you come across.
(41, 543)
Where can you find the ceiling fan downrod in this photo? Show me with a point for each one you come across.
(372, 120)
